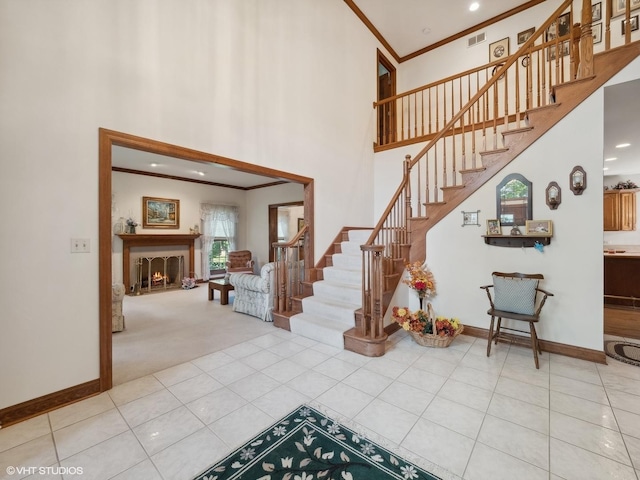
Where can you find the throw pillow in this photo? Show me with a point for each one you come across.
(516, 295)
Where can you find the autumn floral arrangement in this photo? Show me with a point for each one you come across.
(421, 322)
(421, 280)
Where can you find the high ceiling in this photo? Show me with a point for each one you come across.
(411, 25)
(402, 23)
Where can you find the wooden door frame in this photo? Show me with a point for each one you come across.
(392, 71)
(273, 224)
(108, 138)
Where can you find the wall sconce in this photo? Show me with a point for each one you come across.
(553, 195)
(578, 180)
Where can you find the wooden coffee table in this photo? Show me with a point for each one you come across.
(223, 286)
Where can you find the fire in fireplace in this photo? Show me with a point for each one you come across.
(158, 273)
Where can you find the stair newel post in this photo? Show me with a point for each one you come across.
(586, 41)
(281, 280)
(373, 284)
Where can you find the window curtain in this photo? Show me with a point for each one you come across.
(218, 221)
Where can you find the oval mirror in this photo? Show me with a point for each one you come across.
(513, 200)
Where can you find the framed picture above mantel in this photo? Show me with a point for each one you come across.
(160, 212)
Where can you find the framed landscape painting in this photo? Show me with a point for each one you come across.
(160, 212)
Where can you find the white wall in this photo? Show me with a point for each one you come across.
(623, 238)
(257, 215)
(249, 80)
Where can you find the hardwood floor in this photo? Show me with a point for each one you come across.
(622, 322)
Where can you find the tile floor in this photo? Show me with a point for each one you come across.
(465, 415)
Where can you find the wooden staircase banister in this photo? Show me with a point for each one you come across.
(479, 115)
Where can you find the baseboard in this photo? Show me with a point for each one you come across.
(37, 406)
(546, 346)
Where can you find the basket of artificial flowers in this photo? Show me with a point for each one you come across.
(425, 328)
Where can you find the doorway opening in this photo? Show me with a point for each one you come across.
(109, 139)
(386, 89)
(284, 222)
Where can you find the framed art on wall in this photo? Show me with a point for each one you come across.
(499, 50)
(634, 24)
(526, 35)
(596, 12)
(160, 212)
(619, 8)
(596, 30)
(559, 28)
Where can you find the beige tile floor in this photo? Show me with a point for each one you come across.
(467, 415)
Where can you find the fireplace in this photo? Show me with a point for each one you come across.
(161, 261)
(158, 273)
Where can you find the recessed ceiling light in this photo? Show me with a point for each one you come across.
(200, 173)
(474, 6)
(610, 159)
(623, 145)
(605, 168)
(153, 164)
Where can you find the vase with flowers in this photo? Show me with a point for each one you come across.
(131, 225)
(421, 280)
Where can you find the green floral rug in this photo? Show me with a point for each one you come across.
(306, 445)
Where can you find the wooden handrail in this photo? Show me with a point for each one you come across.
(290, 271)
(479, 116)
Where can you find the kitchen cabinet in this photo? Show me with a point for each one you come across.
(619, 210)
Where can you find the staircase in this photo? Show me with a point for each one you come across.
(330, 310)
(492, 129)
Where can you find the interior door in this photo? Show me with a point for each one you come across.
(386, 112)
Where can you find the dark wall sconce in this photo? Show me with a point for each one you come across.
(553, 194)
(578, 180)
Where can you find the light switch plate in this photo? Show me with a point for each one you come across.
(80, 245)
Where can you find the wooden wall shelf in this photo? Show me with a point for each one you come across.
(515, 241)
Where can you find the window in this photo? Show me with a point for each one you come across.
(218, 256)
(218, 237)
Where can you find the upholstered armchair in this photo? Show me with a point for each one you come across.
(240, 262)
(254, 294)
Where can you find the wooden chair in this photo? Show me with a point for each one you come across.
(240, 262)
(516, 296)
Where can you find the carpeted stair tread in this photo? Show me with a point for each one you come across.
(320, 329)
(343, 275)
(334, 291)
(349, 262)
(330, 309)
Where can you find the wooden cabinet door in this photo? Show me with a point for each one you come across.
(627, 211)
(611, 212)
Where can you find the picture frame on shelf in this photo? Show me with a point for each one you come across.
(499, 50)
(634, 24)
(596, 30)
(525, 35)
(559, 28)
(596, 12)
(494, 227)
(543, 228)
(300, 223)
(160, 212)
(618, 7)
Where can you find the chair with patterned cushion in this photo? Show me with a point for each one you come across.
(239, 262)
(516, 296)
